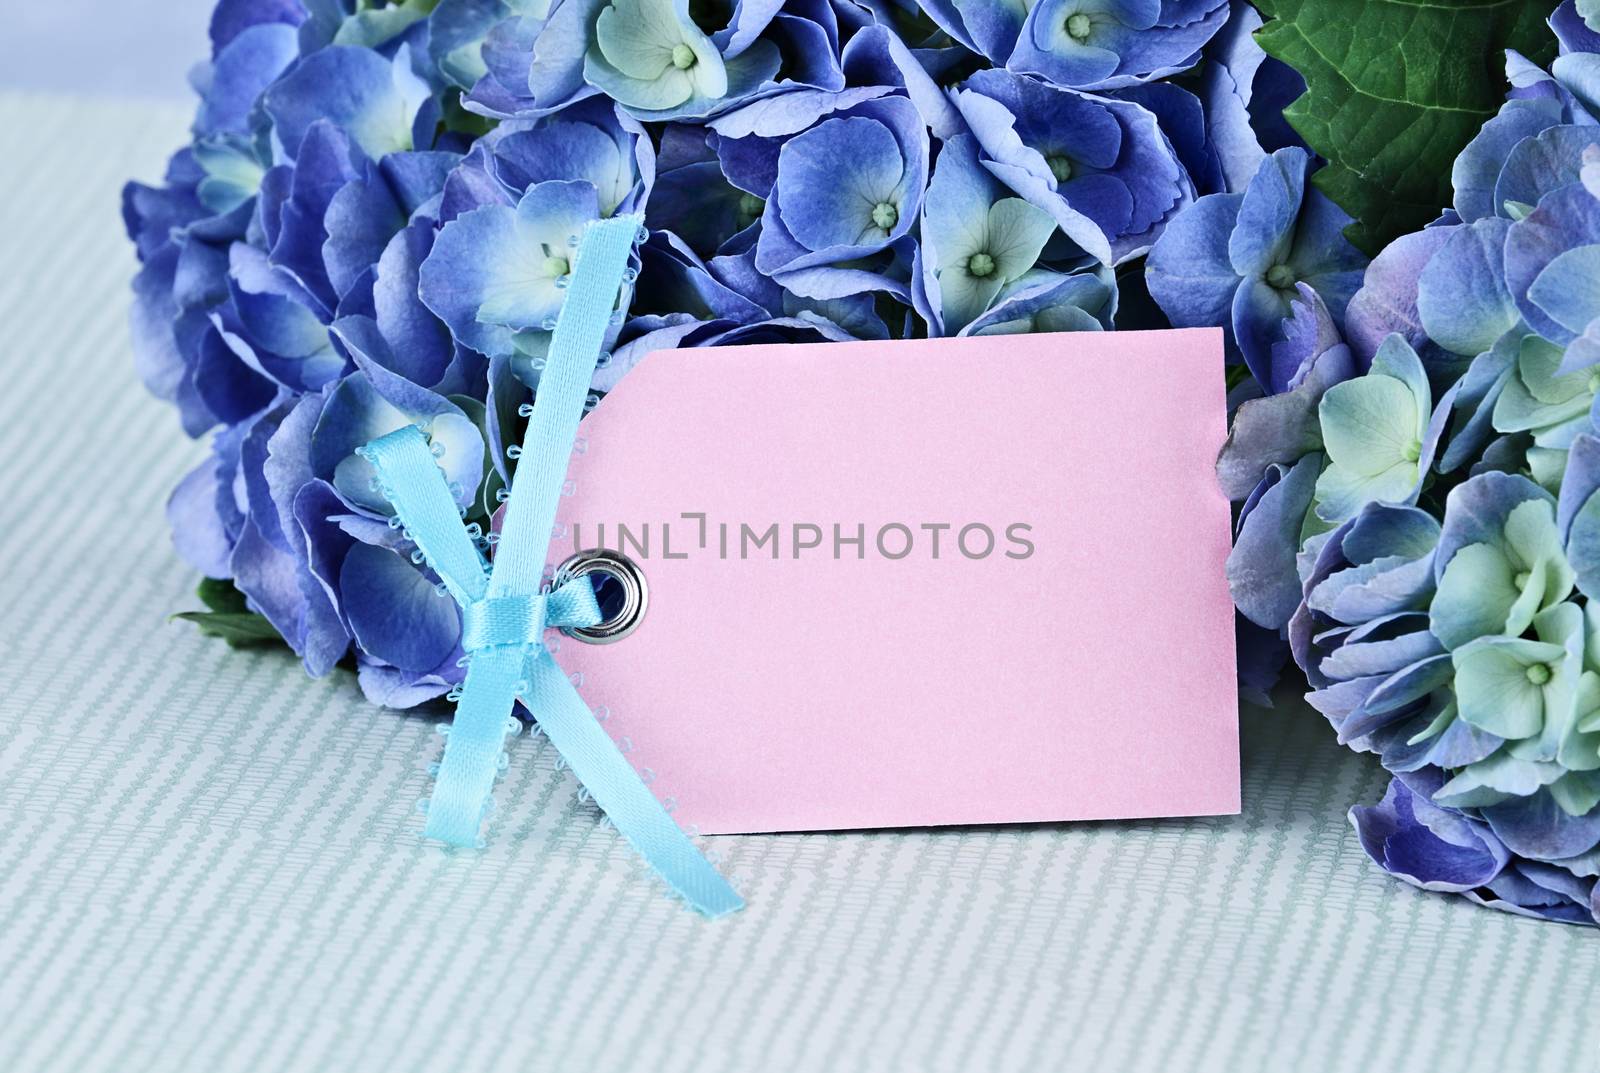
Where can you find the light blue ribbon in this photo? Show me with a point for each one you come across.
(505, 610)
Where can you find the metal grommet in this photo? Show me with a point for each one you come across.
(635, 594)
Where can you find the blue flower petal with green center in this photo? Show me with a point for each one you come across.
(845, 189)
(1078, 42)
(233, 168)
(975, 239)
(1108, 44)
(651, 58)
(1238, 259)
(842, 179)
(497, 270)
(1102, 168)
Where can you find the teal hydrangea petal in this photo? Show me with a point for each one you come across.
(1494, 688)
(1498, 586)
(647, 55)
(1374, 429)
(1538, 395)
(1495, 779)
(1577, 792)
(1475, 595)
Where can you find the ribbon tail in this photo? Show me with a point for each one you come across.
(472, 751)
(602, 769)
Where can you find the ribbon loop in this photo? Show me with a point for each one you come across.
(521, 619)
(573, 604)
(502, 620)
(504, 612)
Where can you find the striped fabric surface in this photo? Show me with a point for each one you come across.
(210, 862)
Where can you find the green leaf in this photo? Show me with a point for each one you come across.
(229, 617)
(1394, 90)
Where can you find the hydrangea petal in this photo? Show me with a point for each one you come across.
(394, 611)
(355, 88)
(1462, 298)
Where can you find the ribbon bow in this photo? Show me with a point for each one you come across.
(505, 610)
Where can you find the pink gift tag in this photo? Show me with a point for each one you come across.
(916, 583)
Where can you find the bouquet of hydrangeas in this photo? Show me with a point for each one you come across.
(373, 223)
(1419, 512)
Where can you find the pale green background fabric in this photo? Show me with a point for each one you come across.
(210, 862)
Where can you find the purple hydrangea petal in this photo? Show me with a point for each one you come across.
(1387, 299)
(1535, 826)
(1454, 853)
(1262, 575)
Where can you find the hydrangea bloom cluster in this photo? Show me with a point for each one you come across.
(1418, 478)
(373, 222)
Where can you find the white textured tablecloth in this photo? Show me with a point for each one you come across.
(210, 862)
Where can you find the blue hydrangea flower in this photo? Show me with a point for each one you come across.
(1101, 168)
(1237, 259)
(845, 192)
(497, 271)
(1500, 560)
(976, 240)
(1103, 44)
(1085, 44)
(655, 58)
(1445, 623)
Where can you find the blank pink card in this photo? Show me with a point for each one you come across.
(917, 583)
